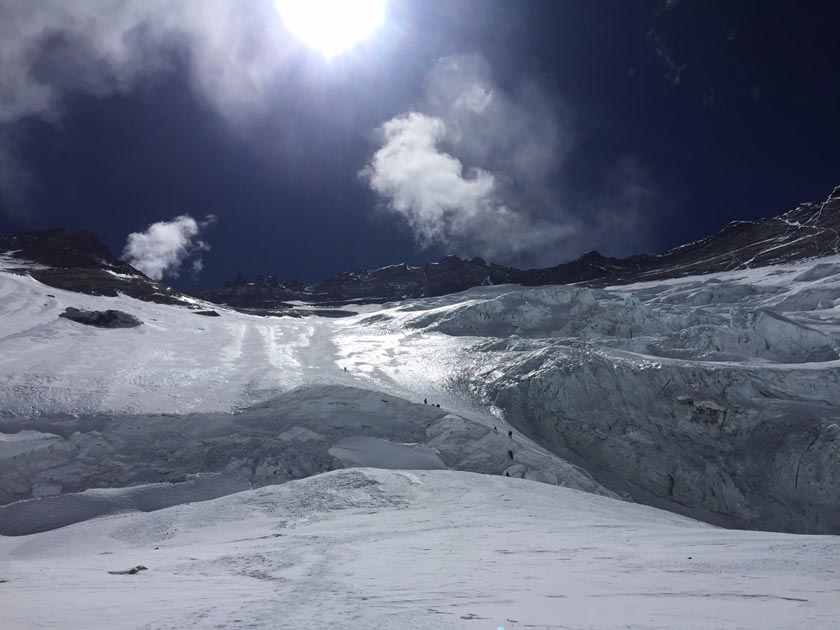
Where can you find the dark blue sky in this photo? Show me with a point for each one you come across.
(725, 111)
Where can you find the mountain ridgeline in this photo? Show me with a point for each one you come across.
(811, 230)
(77, 261)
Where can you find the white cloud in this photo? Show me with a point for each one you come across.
(163, 248)
(442, 202)
(478, 169)
(475, 167)
(522, 132)
(50, 49)
(426, 185)
(466, 168)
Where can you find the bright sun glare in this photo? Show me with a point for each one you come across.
(331, 26)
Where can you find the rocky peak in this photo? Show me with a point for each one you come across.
(76, 260)
(237, 281)
(63, 249)
(593, 256)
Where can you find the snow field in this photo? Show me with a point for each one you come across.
(366, 548)
(699, 394)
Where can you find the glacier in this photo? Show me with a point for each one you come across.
(287, 472)
(714, 396)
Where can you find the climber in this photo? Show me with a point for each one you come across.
(425, 401)
(510, 454)
(510, 434)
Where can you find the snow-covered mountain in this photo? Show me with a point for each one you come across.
(77, 261)
(153, 436)
(808, 231)
(711, 395)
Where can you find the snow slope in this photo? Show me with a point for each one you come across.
(713, 395)
(176, 362)
(175, 445)
(716, 396)
(302, 433)
(239, 399)
(394, 550)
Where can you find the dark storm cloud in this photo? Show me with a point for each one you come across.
(477, 169)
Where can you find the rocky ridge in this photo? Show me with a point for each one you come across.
(75, 260)
(810, 230)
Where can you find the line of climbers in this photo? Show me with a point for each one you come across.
(495, 430)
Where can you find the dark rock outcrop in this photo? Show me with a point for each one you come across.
(75, 260)
(101, 319)
(70, 249)
(131, 571)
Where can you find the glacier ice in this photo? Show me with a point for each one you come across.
(712, 395)
(715, 396)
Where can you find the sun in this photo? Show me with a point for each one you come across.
(331, 27)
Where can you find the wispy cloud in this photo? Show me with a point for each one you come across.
(477, 169)
(162, 249)
(52, 49)
(710, 98)
(672, 69)
(458, 167)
